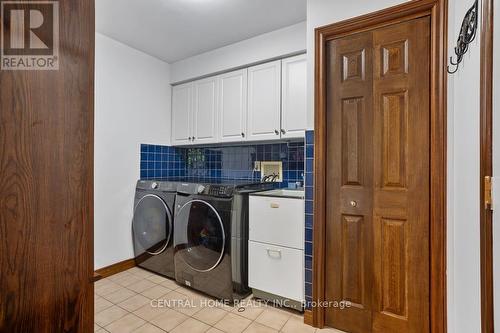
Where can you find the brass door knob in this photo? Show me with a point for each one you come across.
(353, 203)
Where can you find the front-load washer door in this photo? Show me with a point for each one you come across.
(152, 224)
(200, 237)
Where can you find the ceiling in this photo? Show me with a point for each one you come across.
(172, 30)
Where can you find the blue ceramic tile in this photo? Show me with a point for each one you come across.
(309, 192)
(308, 248)
(308, 262)
(309, 165)
(309, 235)
(309, 151)
(308, 275)
(309, 137)
(309, 221)
(309, 207)
(308, 289)
(309, 179)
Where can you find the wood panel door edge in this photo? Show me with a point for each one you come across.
(486, 165)
(113, 269)
(438, 12)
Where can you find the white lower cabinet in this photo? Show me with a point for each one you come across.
(276, 246)
(276, 269)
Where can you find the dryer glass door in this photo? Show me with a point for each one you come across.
(152, 225)
(202, 239)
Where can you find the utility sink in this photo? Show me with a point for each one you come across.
(283, 193)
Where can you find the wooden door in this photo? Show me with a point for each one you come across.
(264, 101)
(205, 110)
(378, 175)
(46, 182)
(233, 106)
(293, 96)
(182, 102)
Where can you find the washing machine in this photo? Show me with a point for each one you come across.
(153, 226)
(211, 238)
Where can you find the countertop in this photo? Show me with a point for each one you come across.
(282, 193)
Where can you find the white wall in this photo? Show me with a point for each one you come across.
(132, 106)
(463, 156)
(273, 44)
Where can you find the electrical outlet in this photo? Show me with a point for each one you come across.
(256, 166)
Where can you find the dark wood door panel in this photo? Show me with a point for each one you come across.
(377, 179)
(350, 204)
(46, 185)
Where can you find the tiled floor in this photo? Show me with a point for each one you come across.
(123, 304)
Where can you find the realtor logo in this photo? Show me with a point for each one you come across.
(29, 35)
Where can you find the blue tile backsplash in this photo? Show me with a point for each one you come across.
(221, 163)
(309, 192)
(236, 163)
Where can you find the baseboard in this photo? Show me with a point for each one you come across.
(113, 269)
(308, 317)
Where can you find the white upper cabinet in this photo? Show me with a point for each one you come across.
(233, 106)
(293, 96)
(205, 111)
(182, 113)
(264, 95)
(260, 103)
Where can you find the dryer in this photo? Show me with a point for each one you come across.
(153, 226)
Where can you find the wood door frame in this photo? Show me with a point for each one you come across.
(486, 165)
(437, 10)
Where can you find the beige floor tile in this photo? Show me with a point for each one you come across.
(168, 320)
(148, 312)
(120, 295)
(109, 315)
(210, 315)
(148, 328)
(134, 302)
(139, 272)
(251, 310)
(259, 328)
(157, 278)
(125, 324)
(233, 323)
(101, 304)
(96, 327)
(141, 285)
(156, 292)
(106, 288)
(101, 330)
(273, 318)
(181, 303)
(296, 325)
(118, 276)
(214, 330)
(127, 280)
(170, 284)
(191, 326)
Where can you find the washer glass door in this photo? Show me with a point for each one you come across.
(152, 224)
(201, 238)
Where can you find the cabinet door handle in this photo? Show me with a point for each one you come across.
(283, 131)
(189, 138)
(275, 205)
(271, 251)
(242, 134)
(276, 132)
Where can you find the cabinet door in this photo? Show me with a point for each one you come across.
(264, 94)
(277, 270)
(233, 106)
(205, 111)
(293, 98)
(182, 114)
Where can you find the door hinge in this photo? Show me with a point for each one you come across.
(488, 190)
